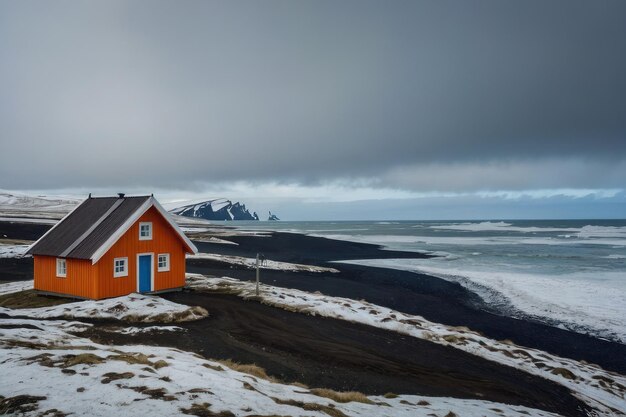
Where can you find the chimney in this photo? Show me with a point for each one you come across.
(120, 195)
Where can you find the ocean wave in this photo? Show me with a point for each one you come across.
(500, 226)
(399, 241)
(614, 256)
(591, 302)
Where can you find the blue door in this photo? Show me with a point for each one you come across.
(145, 273)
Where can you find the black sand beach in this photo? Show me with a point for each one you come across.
(435, 299)
(345, 356)
(323, 352)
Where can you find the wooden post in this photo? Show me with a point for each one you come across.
(257, 274)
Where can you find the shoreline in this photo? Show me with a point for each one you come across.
(433, 298)
(343, 355)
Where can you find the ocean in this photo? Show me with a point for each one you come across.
(566, 273)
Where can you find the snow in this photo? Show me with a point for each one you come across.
(133, 307)
(533, 293)
(148, 329)
(11, 200)
(17, 286)
(13, 251)
(215, 240)
(267, 264)
(586, 385)
(37, 361)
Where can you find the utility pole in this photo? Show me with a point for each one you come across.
(258, 266)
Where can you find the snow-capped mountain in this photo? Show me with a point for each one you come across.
(217, 209)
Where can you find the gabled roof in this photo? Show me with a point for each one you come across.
(90, 230)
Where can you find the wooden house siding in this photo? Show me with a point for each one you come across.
(80, 280)
(164, 240)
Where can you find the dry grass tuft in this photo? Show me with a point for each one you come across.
(203, 410)
(214, 367)
(114, 376)
(190, 314)
(390, 395)
(341, 397)
(31, 299)
(333, 412)
(154, 393)
(20, 404)
(563, 372)
(160, 364)
(250, 369)
(450, 338)
(82, 359)
(132, 358)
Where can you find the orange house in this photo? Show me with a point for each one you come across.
(112, 246)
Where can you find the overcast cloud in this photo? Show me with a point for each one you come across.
(411, 96)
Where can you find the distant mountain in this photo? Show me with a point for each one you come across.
(24, 202)
(273, 217)
(217, 209)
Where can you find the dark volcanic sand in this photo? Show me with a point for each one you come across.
(341, 355)
(435, 299)
(22, 231)
(322, 352)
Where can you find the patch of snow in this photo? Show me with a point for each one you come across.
(533, 294)
(267, 264)
(133, 307)
(36, 361)
(215, 240)
(139, 330)
(16, 201)
(13, 251)
(586, 384)
(16, 286)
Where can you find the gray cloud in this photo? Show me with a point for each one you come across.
(173, 94)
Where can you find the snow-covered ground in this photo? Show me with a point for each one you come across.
(267, 264)
(603, 390)
(133, 307)
(17, 286)
(70, 374)
(18, 201)
(13, 251)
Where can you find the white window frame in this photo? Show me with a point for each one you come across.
(124, 272)
(165, 268)
(149, 237)
(61, 271)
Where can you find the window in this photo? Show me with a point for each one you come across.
(61, 268)
(164, 262)
(120, 267)
(145, 231)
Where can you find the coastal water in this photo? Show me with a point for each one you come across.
(568, 273)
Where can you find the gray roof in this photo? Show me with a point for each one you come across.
(81, 233)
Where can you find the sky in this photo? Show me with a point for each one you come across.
(321, 109)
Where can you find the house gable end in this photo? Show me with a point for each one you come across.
(132, 220)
